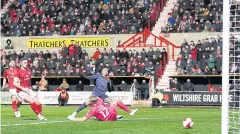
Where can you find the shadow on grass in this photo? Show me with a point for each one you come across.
(30, 119)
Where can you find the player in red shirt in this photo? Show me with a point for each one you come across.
(9, 75)
(24, 89)
(100, 110)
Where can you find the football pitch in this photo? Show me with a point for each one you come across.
(145, 121)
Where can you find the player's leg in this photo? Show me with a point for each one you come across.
(84, 105)
(36, 100)
(121, 105)
(113, 107)
(15, 102)
(26, 97)
(14, 105)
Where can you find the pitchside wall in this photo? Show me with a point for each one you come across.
(21, 43)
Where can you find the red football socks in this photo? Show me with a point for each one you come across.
(14, 106)
(122, 106)
(40, 108)
(19, 103)
(35, 108)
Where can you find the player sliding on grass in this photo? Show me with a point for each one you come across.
(100, 110)
(9, 75)
(100, 91)
(23, 84)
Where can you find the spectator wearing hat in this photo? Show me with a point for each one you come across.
(64, 85)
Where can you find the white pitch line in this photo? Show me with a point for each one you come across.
(128, 119)
(36, 123)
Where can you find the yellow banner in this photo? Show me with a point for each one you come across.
(58, 42)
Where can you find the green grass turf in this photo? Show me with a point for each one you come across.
(146, 121)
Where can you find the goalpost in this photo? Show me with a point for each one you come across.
(230, 94)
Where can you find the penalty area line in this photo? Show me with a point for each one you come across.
(52, 122)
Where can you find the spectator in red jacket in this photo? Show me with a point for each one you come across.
(194, 53)
(96, 54)
(71, 49)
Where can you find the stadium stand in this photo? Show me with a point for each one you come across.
(195, 16)
(202, 58)
(121, 63)
(84, 17)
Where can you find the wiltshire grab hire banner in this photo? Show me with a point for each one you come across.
(193, 98)
(74, 97)
(87, 42)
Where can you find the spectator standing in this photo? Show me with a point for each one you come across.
(71, 49)
(211, 62)
(77, 51)
(135, 87)
(144, 90)
(180, 62)
(219, 64)
(203, 63)
(194, 53)
(65, 50)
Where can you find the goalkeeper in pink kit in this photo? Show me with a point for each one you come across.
(100, 110)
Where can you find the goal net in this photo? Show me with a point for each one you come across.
(231, 73)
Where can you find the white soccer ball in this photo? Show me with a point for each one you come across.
(187, 123)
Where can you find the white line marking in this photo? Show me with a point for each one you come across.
(128, 119)
(36, 123)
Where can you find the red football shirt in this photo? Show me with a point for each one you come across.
(25, 78)
(10, 74)
(102, 111)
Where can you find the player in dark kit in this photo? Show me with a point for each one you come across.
(9, 75)
(23, 83)
(100, 91)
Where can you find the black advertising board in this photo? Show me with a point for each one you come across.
(193, 98)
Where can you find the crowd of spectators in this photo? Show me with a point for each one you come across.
(195, 16)
(77, 17)
(72, 62)
(202, 58)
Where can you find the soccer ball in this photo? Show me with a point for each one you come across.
(187, 123)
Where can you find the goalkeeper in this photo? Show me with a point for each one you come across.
(102, 85)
